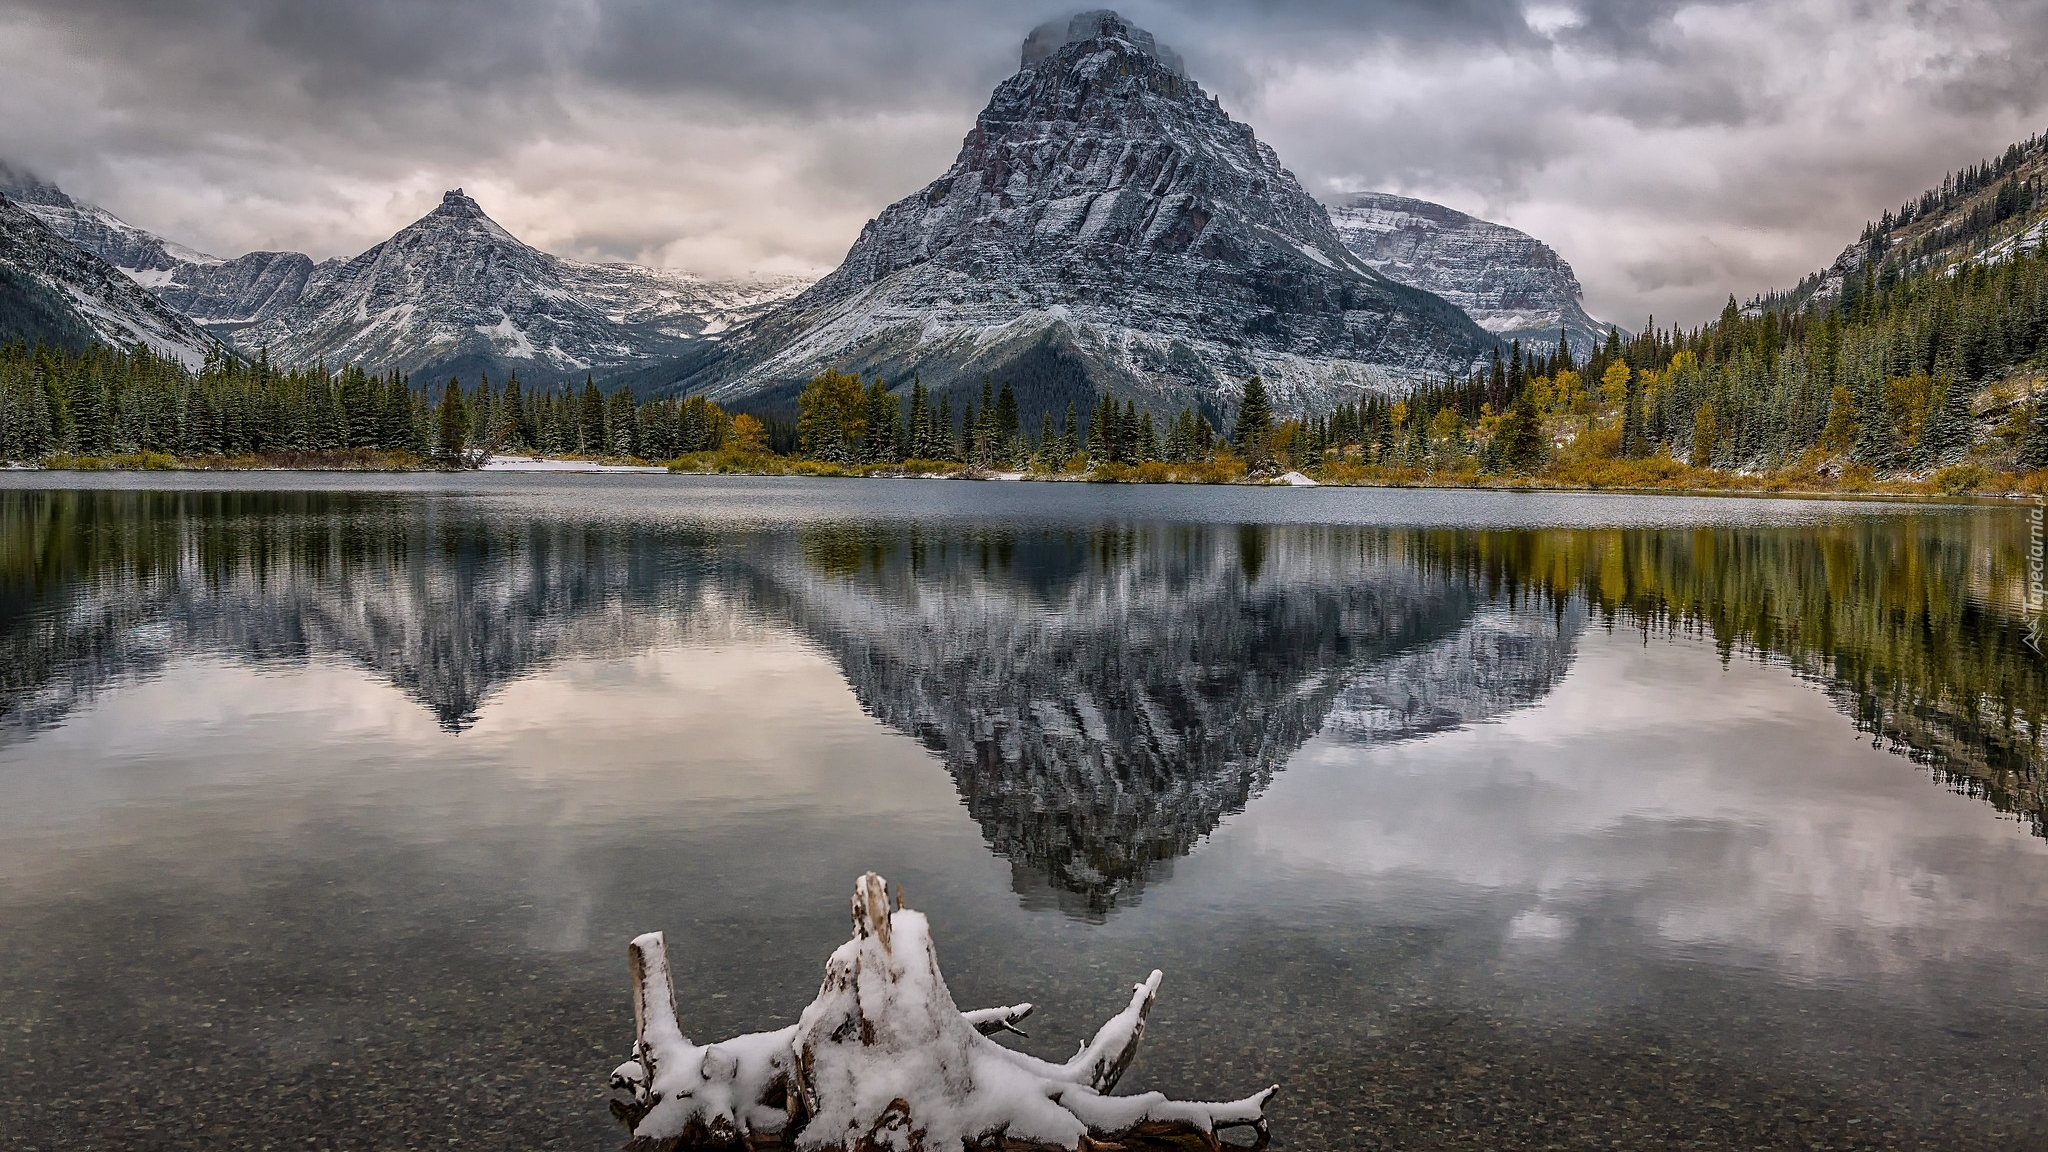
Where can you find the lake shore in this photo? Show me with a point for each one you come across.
(1659, 476)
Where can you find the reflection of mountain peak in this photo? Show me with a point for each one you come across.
(1104, 701)
(1503, 658)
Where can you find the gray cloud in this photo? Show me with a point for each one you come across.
(1673, 150)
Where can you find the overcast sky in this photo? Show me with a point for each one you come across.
(1673, 152)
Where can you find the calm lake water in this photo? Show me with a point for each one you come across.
(327, 805)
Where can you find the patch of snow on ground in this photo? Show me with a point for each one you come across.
(539, 464)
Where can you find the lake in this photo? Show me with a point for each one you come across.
(1488, 820)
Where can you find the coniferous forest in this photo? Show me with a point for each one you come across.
(105, 403)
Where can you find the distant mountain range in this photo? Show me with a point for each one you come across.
(453, 293)
(1106, 228)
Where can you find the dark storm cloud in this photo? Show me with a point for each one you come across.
(1675, 150)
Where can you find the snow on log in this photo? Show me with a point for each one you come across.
(884, 1061)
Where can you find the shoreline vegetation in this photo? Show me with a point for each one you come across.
(1919, 377)
(1660, 475)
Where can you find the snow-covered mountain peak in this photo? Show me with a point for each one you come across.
(1105, 227)
(453, 292)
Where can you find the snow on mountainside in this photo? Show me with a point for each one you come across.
(1514, 285)
(1105, 227)
(54, 289)
(146, 257)
(451, 294)
(231, 294)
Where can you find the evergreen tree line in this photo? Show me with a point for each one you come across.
(843, 421)
(104, 401)
(1887, 375)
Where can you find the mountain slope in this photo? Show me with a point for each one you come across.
(52, 289)
(146, 257)
(1514, 285)
(453, 293)
(1988, 213)
(1105, 227)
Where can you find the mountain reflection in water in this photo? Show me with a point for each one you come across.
(1103, 696)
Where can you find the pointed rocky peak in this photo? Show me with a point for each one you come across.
(454, 203)
(1049, 38)
(1106, 227)
(459, 219)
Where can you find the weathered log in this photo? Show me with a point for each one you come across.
(882, 1059)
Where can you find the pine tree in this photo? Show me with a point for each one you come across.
(2034, 439)
(1949, 425)
(1523, 444)
(590, 437)
(451, 426)
(1008, 426)
(1254, 430)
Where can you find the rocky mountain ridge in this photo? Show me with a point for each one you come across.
(147, 258)
(453, 293)
(53, 289)
(1510, 283)
(1106, 227)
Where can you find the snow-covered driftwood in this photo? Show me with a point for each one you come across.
(883, 1059)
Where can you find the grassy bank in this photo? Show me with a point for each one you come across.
(337, 460)
(1653, 474)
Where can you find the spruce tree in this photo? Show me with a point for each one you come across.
(1254, 430)
(1009, 426)
(2034, 439)
(1523, 444)
(1949, 425)
(451, 426)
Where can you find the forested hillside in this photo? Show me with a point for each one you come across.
(1922, 348)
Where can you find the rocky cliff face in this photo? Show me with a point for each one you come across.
(1105, 227)
(53, 289)
(1514, 285)
(230, 294)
